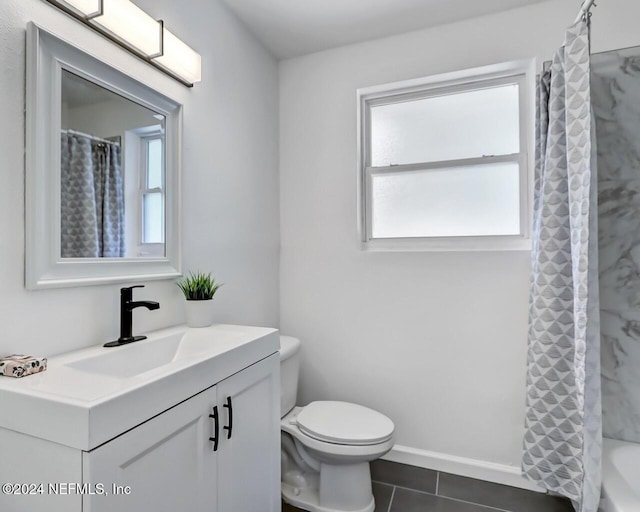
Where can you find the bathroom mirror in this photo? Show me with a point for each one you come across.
(103, 177)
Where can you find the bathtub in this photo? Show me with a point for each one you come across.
(620, 477)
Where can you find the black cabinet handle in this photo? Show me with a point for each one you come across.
(229, 427)
(216, 428)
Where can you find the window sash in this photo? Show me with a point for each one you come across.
(519, 158)
(436, 90)
(144, 160)
(143, 232)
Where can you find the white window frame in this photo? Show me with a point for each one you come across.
(520, 72)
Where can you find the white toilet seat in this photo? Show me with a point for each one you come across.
(344, 423)
(289, 425)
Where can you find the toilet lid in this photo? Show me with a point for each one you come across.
(344, 423)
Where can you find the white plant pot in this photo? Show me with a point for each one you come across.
(199, 312)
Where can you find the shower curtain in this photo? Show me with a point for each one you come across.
(563, 423)
(92, 198)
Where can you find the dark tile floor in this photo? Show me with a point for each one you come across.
(402, 488)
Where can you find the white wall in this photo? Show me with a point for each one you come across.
(437, 341)
(230, 184)
(115, 117)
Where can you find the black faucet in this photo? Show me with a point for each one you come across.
(127, 305)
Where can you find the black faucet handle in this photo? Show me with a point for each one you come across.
(131, 287)
(126, 293)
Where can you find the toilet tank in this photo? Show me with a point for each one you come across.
(289, 369)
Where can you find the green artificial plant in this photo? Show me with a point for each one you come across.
(198, 286)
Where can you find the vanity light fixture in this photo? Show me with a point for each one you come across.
(125, 24)
(179, 58)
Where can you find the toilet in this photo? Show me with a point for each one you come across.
(327, 446)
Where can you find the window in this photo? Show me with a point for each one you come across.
(443, 161)
(152, 189)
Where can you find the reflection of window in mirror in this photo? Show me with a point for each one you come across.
(152, 195)
(145, 190)
(113, 174)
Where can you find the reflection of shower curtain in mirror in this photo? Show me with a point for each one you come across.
(92, 198)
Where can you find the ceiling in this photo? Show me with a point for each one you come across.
(289, 28)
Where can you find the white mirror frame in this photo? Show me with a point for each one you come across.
(47, 56)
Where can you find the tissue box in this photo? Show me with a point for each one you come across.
(18, 365)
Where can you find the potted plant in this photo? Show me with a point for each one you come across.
(199, 289)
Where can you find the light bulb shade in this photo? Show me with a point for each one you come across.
(131, 24)
(180, 59)
(87, 8)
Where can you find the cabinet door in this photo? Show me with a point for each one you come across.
(249, 454)
(168, 463)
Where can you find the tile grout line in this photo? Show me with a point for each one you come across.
(489, 507)
(393, 493)
(437, 482)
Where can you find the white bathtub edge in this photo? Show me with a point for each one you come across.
(481, 470)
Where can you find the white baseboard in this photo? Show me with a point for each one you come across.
(472, 468)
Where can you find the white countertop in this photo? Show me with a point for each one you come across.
(90, 396)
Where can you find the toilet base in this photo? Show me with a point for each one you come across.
(344, 488)
(307, 499)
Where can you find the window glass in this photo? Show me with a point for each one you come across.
(153, 215)
(477, 200)
(154, 163)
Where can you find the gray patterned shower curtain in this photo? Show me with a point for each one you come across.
(563, 423)
(92, 198)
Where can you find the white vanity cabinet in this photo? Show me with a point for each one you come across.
(200, 433)
(174, 461)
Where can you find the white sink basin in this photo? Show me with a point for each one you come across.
(132, 359)
(87, 397)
